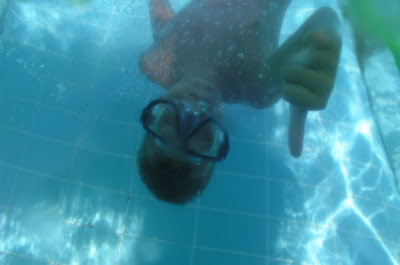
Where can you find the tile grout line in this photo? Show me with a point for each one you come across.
(196, 223)
(52, 107)
(22, 155)
(29, 258)
(322, 133)
(94, 149)
(386, 210)
(21, 159)
(137, 124)
(124, 193)
(130, 157)
(96, 66)
(16, 175)
(267, 195)
(77, 146)
(102, 189)
(240, 213)
(123, 232)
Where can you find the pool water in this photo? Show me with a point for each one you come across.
(71, 95)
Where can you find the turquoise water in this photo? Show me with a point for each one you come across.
(70, 101)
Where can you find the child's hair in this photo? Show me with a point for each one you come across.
(172, 180)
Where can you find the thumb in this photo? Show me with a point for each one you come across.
(297, 120)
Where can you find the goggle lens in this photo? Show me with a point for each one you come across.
(205, 138)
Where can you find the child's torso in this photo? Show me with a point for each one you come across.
(231, 37)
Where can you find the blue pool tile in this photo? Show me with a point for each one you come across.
(355, 145)
(123, 59)
(159, 220)
(351, 228)
(18, 77)
(17, 113)
(384, 223)
(387, 185)
(32, 190)
(48, 157)
(276, 164)
(94, 207)
(102, 7)
(109, 77)
(210, 257)
(11, 146)
(236, 193)
(233, 232)
(365, 182)
(274, 229)
(78, 47)
(277, 192)
(40, 234)
(147, 252)
(85, 245)
(239, 161)
(245, 123)
(71, 70)
(110, 136)
(276, 123)
(116, 105)
(7, 178)
(284, 237)
(56, 93)
(334, 174)
(295, 202)
(57, 124)
(361, 150)
(145, 87)
(103, 170)
(354, 243)
(75, 29)
(16, 260)
(94, 18)
(278, 261)
(139, 188)
(393, 221)
(23, 231)
(313, 174)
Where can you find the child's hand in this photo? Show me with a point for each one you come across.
(311, 71)
(307, 64)
(308, 81)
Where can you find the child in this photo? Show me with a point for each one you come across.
(225, 51)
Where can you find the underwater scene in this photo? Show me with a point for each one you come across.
(99, 98)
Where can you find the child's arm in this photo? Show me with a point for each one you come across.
(307, 64)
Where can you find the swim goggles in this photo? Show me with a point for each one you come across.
(195, 133)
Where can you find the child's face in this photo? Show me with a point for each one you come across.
(156, 151)
(184, 131)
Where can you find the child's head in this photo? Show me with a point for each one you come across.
(177, 155)
(170, 177)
